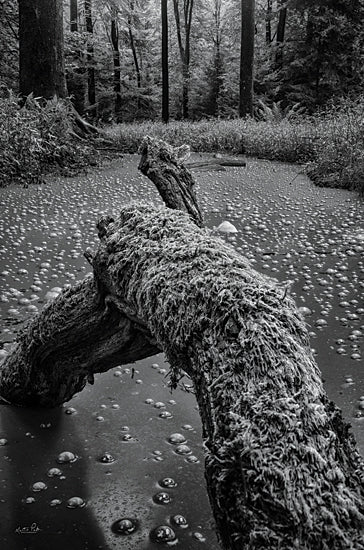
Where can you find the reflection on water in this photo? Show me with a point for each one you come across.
(121, 465)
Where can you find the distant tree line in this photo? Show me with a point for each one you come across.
(215, 54)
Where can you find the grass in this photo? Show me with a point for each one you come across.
(330, 144)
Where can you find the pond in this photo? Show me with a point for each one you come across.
(121, 464)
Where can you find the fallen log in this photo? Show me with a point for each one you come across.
(282, 469)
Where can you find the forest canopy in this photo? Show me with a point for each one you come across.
(306, 53)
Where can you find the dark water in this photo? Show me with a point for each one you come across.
(118, 437)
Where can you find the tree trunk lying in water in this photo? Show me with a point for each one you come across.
(282, 469)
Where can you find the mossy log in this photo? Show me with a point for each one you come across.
(282, 469)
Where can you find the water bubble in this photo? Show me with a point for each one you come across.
(167, 482)
(165, 414)
(54, 472)
(29, 500)
(193, 459)
(159, 405)
(179, 520)
(100, 418)
(3, 441)
(106, 458)
(125, 526)
(149, 401)
(124, 428)
(55, 502)
(75, 502)
(39, 486)
(176, 439)
(199, 536)
(162, 498)
(183, 450)
(70, 410)
(115, 406)
(163, 534)
(187, 427)
(66, 456)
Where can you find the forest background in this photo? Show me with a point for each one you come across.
(308, 76)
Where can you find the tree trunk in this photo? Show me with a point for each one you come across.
(91, 86)
(165, 76)
(41, 58)
(134, 52)
(268, 23)
(184, 49)
(282, 469)
(247, 58)
(117, 72)
(73, 16)
(281, 29)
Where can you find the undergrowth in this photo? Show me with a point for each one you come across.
(36, 139)
(330, 144)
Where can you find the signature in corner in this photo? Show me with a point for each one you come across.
(28, 530)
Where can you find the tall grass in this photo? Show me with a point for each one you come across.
(330, 144)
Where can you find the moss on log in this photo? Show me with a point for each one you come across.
(282, 468)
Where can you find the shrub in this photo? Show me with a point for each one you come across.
(35, 139)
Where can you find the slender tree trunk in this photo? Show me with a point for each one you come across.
(117, 72)
(247, 58)
(41, 55)
(134, 52)
(73, 16)
(165, 76)
(281, 29)
(90, 55)
(184, 49)
(268, 23)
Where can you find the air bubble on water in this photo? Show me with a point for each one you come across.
(165, 414)
(55, 502)
(39, 486)
(125, 526)
(176, 439)
(29, 500)
(115, 406)
(187, 427)
(167, 482)
(75, 502)
(66, 456)
(192, 459)
(164, 534)
(183, 450)
(149, 401)
(159, 405)
(100, 418)
(199, 536)
(124, 428)
(179, 520)
(70, 410)
(106, 458)
(3, 441)
(162, 498)
(54, 472)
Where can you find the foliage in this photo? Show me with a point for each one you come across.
(35, 139)
(330, 143)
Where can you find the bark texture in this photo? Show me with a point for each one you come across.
(282, 469)
(41, 56)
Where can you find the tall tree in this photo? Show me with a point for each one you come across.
(184, 46)
(41, 51)
(73, 16)
(117, 71)
(247, 58)
(90, 54)
(281, 29)
(268, 24)
(165, 75)
(130, 23)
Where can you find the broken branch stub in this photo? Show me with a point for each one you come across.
(163, 165)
